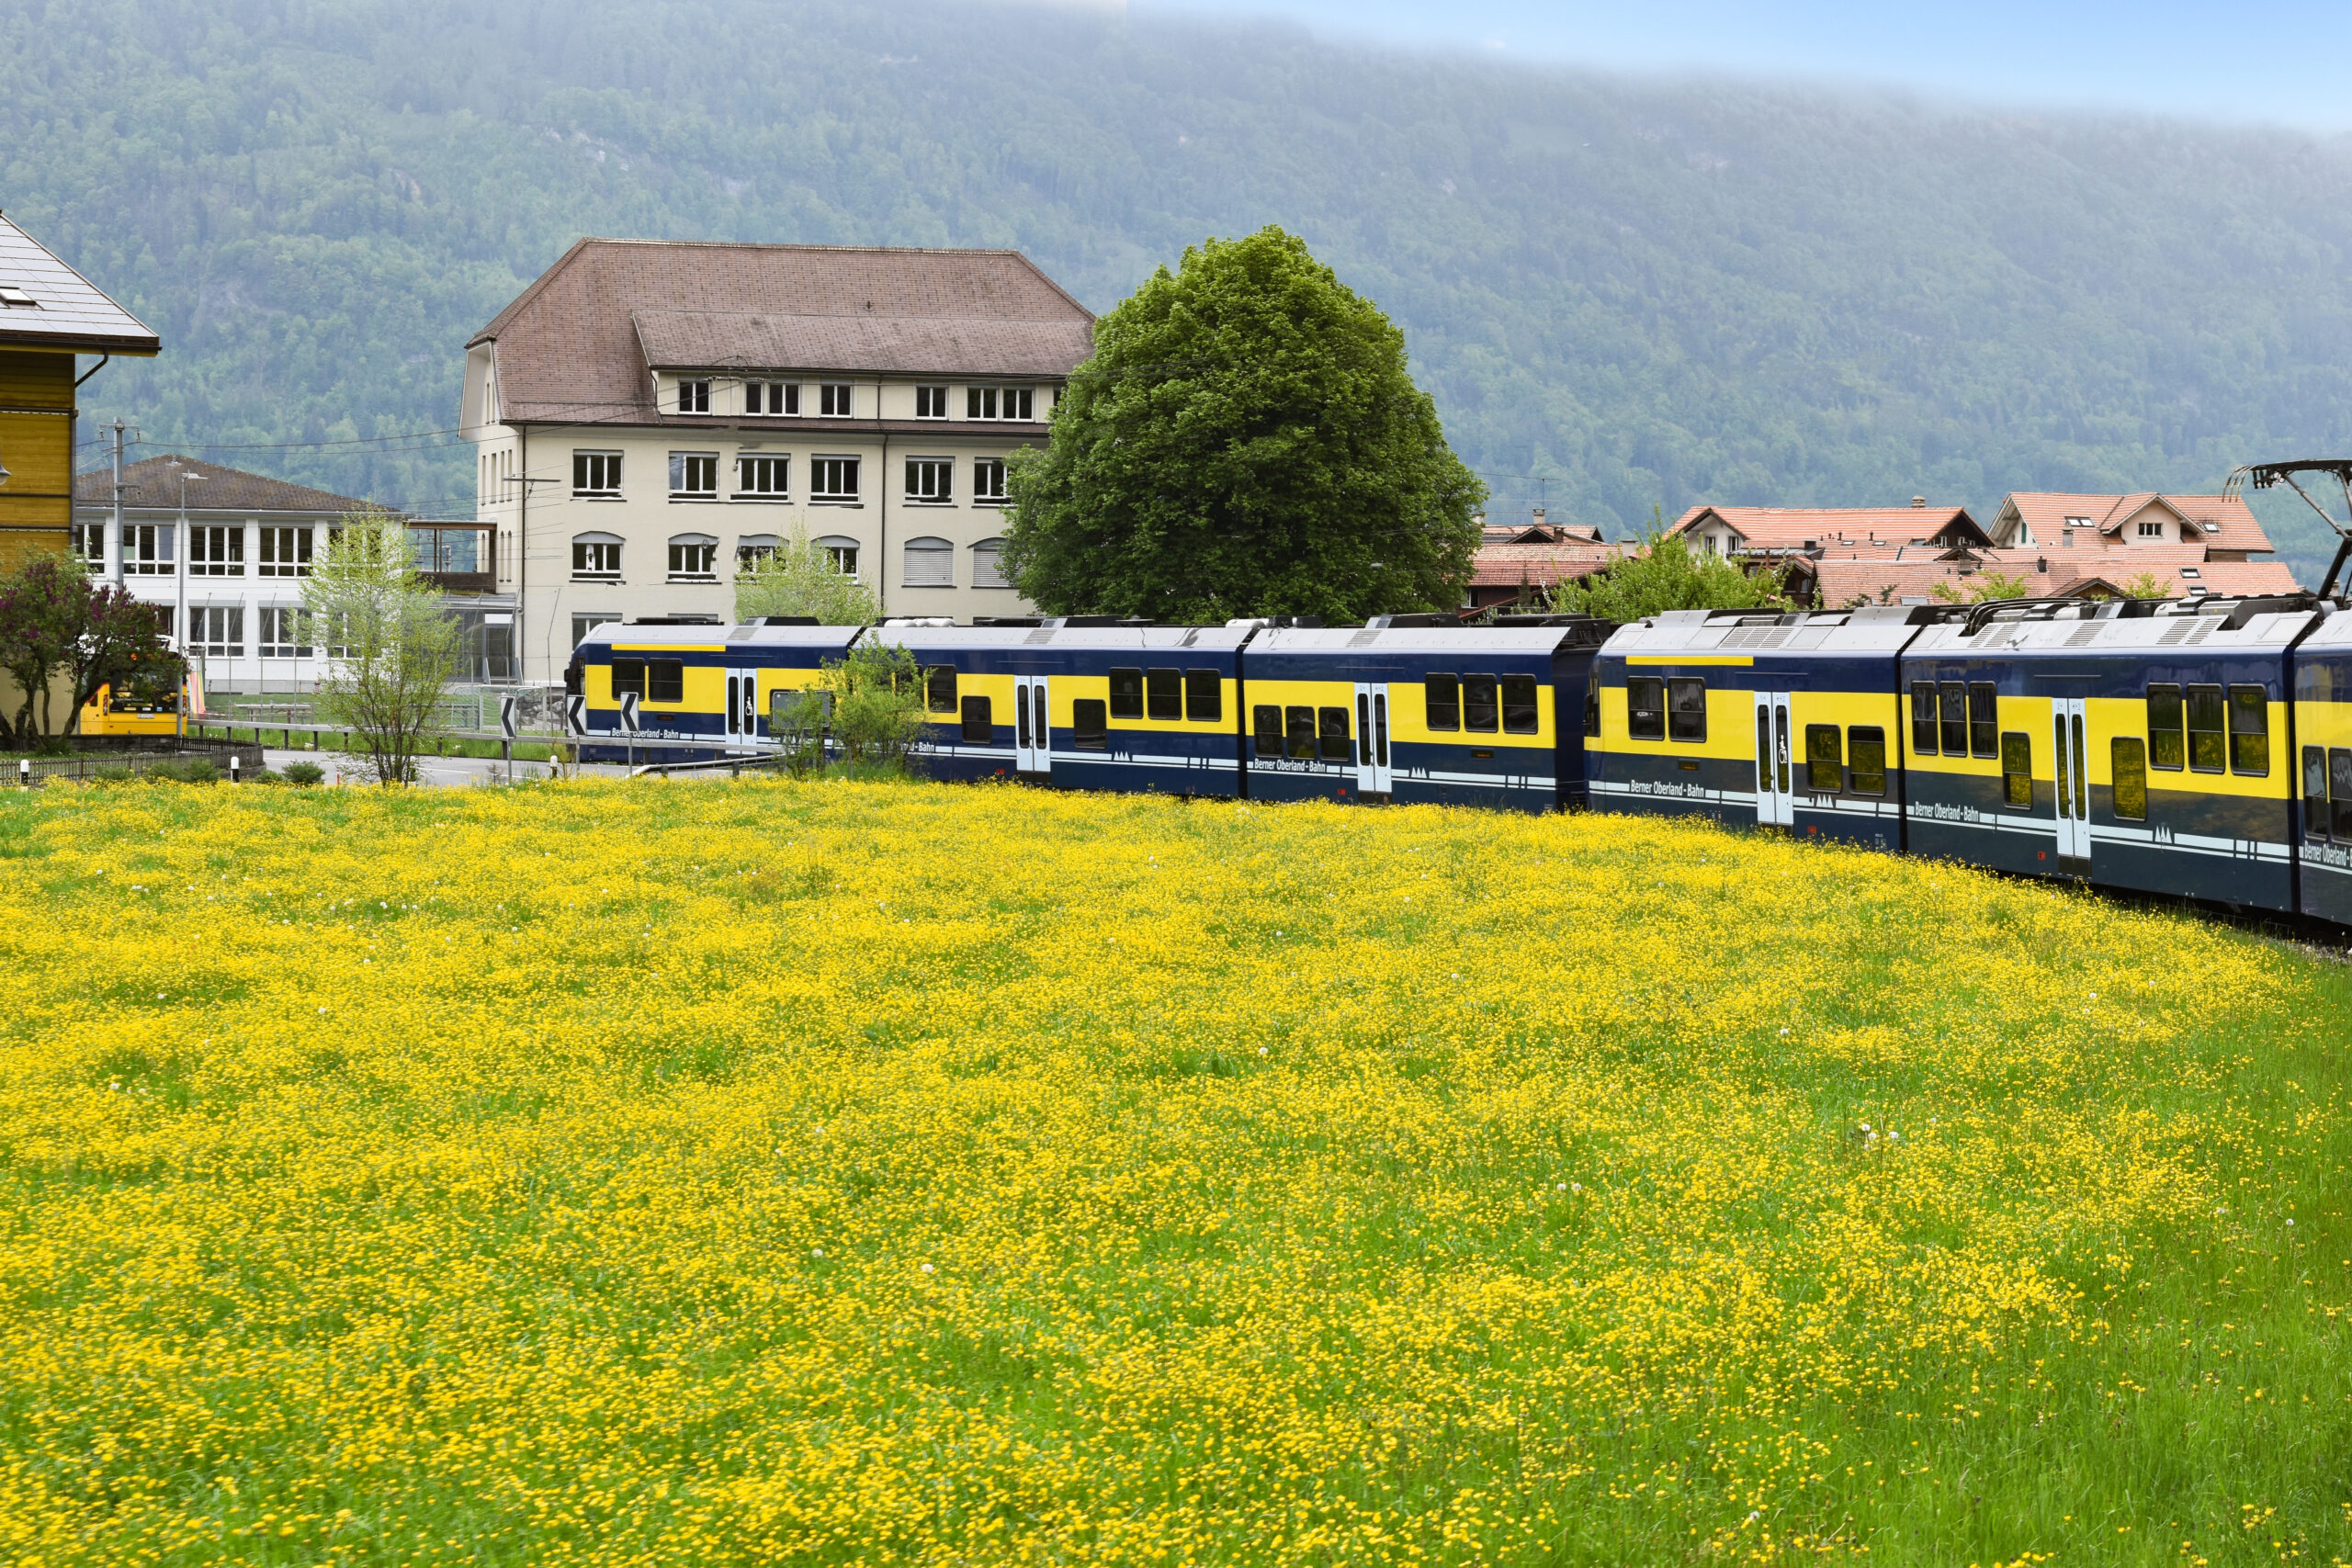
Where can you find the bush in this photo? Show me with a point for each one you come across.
(193, 770)
(113, 773)
(304, 774)
(262, 775)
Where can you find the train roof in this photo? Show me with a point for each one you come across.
(916, 637)
(1873, 628)
(2078, 627)
(1549, 636)
(616, 634)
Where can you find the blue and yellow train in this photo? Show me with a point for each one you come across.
(2198, 747)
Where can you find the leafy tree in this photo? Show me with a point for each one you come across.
(1983, 588)
(390, 647)
(871, 701)
(2148, 585)
(1245, 441)
(1667, 575)
(54, 620)
(802, 579)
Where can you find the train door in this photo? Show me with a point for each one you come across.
(734, 704)
(1033, 739)
(743, 705)
(1775, 774)
(1374, 775)
(2074, 786)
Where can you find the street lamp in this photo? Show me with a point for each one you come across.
(179, 613)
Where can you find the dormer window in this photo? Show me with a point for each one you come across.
(2152, 530)
(694, 396)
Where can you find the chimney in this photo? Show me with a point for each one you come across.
(1539, 514)
(1919, 503)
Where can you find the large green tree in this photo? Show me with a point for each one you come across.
(1245, 441)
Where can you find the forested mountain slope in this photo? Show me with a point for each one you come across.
(1647, 292)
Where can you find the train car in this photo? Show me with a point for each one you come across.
(149, 709)
(703, 691)
(1421, 708)
(1755, 717)
(2136, 744)
(1080, 702)
(2321, 667)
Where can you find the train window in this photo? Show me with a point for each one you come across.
(1204, 696)
(628, 678)
(2249, 731)
(1923, 718)
(1520, 710)
(1334, 727)
(1984, 719)
(1298, 733)
(1646, 707)
(1592, 704)
(1443, 695)
(1686, 710)
(1866, 760)
(1089, 724)
(2205, 747)
(2314, 793)
(2339, 779)
(1952, 710)
(1126, 693)
(665, 679)
(2017, 770)
(1164, 693)
(1480, 707)
(2165, 747)
(939, 688)
(979, 726)
(2128, 765)
(1825, 759)
(1266, 722)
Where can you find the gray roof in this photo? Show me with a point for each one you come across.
(577, 344)
(68, 312)
(152, 483)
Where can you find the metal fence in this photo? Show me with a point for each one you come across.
(139, 754)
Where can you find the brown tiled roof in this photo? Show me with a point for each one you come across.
(151, 483)
(570, 349)
(2228, 524)
(1788, 528)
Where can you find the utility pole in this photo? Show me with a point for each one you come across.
(181, 552)
(114, 529)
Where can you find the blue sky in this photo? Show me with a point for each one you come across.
(2277, 62)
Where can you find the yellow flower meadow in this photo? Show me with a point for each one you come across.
(708, 1173)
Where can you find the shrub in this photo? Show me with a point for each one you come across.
(304, 774)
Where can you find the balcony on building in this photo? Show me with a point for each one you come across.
(456, 558)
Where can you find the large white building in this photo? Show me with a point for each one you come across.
(234, 548)
(647, 415)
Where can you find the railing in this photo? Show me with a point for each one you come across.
(457, 557)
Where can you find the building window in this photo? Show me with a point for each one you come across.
(582, 624)
(694, 396)
(596, 474)
(931, 563)
(832, 478)
(988, 481)
(1000, 402)
(88, 540)
(2152, 530)
(930, 481)
(217, 631)
(596, 558)
(833, 399)
(694, 475)
(285, 552)
(694, 558)
(762, 478)
(216, 552)
(282, 632)
(988, 564)
(930, 402)
(752, 548)
(766, 398)
(841, 552)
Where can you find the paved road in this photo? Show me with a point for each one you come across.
(441, 772)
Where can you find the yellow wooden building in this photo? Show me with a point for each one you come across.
(49, 315)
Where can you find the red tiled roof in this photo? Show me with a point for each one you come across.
(1788, 527)
(1507, 566)
(575, 346)
(2226, 522)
